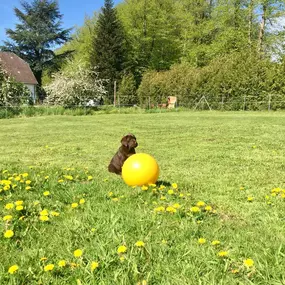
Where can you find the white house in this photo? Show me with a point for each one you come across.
(19, 70)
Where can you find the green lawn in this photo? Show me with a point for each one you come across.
(229, 161)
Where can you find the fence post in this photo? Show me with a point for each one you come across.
(222, 102)
(244, 102)
(269, 102)
(148, 102)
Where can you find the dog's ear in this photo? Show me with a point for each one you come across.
(124, 141)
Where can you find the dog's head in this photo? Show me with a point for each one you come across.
(129, 141)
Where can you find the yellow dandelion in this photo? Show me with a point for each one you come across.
(250, 199)
(44, 218)
(176, 206)
(28, 188)
(162, 198)
(18, 203)
(161, 187)
(200, 204)
(78, 253)
(60, 180)
(223, 253)
(28, 182)
(19, 208)
(13, 269)
(115, 199)
(152, 185)
(164, 241)
(25, 174)
(46, 177)
(43, 258)
(62, 263)
(241, 188)
(9, 206)
(208, 208)
(44, 212)
(68, 177)
(171, 209)
(202, 240)
(81, 201)
(144, 188)
(122, 249)
(110, 194)
(8, 234)
(74, 205)
(49, 267)
(174, 185)
(140, 243)
(159, 209)
(94, 265)
(195, 209)
(7, 218)
(248, 262)
(122, 258)
(46, 193)
(215, 242)
(55, 214)
(6, 187)
(181, 195)
(89, 178)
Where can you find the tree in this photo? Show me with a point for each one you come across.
(108, 53)
(37, 34)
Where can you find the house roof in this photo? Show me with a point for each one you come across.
(17, 68)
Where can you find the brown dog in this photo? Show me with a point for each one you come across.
(129, 143)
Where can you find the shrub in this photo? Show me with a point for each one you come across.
(75, 87)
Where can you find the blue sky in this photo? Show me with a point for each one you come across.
(73, 12)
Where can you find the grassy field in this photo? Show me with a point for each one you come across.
(224, 223)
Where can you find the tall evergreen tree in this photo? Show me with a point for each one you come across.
(109, 46)
(37, 34)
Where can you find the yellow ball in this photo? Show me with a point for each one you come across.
(140, 169)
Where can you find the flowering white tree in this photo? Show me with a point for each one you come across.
(75, 87)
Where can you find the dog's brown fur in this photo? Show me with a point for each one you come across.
(129, 143)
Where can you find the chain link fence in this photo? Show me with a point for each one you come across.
(269, 102)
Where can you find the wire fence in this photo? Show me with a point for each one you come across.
(149, 104)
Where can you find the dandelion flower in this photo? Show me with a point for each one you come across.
(170, 192)
(140, 243)
(195, 209)
(89, 178)
(7, 218)
(44, 218)
(171, 209)
(177, 206)
(13, 269)
(162, 198)
(49, 267)
(6, 187)
(159, 209)
(8, 234)
(144, 188)
(55, 214)
(115, 199)
(78, 253)
(201, 204)
(46, 193)
(208, 208)
(164, 241)
(44, 212)
(74, 205)
(215, 242)
(223, 253)
(81, 201)
(122, 249)
(28, 188)
(94, 265)
(19, 208)
(43, 258)
(248, 262)
(18, 203)
(62, 263)
(60, 180)
(250, 199)
(9, 206)
(202, 240)
(122, 258)
(174, 185)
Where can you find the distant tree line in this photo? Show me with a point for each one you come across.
(156, 48)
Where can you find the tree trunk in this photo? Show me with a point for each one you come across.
(262, 29)
(250, 18)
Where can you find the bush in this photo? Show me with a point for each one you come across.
(224, 82)
(12, 93)
(75, 87)
(127, 93)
